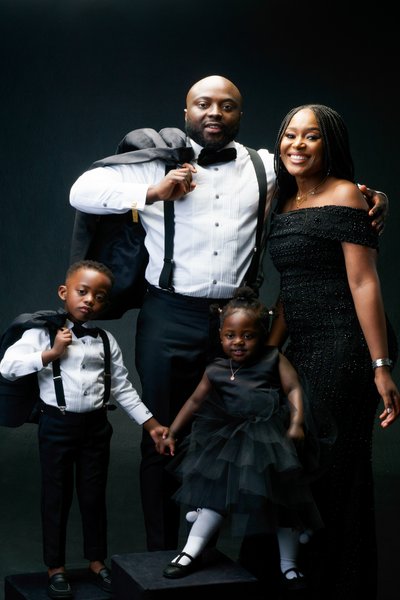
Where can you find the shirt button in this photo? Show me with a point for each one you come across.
(217, 224)
(83, 366)
(217, 196)
(85, 393)
(215, 253)
(214, 281)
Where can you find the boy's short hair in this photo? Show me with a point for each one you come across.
(94, 265)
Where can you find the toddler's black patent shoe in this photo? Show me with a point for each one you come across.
(174, 570)
(296, 583)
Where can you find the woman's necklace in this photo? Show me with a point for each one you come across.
(300, 198)
(233, 372)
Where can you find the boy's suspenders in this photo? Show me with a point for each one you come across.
(58, 385)
(107, 366)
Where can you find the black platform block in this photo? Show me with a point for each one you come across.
(32, 586)
(139, 577)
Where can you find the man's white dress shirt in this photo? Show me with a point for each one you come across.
(215, 224)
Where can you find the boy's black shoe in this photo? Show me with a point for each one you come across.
(58, 587)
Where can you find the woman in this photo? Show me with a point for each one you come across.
(331, 310)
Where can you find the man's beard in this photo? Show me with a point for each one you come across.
(196, 134)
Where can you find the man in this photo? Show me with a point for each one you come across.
(215, 209)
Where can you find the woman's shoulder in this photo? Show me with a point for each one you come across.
(338, 221)
(346, 193)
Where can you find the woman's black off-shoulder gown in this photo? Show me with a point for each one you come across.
(327, 347)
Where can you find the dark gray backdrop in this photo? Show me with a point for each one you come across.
(76, 75)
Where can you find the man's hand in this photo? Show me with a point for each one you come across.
(173, 186)
(379, 207)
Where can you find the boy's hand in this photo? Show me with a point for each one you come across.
(158, 432)
(162, 439)
(166, 445)
(62, 340)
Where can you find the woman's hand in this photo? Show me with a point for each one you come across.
(390, 395)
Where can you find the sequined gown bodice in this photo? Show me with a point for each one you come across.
(327, 346)
(305, 247)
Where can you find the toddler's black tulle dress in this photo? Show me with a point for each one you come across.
(237, 460)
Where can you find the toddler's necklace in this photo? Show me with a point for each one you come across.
(233, 372)
(300, 198)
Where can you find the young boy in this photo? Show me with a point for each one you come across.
(78, 437)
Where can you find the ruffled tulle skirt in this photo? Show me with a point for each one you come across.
(242, 464)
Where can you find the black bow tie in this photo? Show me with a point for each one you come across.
(208, 156)
(80, 331)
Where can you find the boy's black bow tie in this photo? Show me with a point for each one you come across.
(80, 331)
(208, 156)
